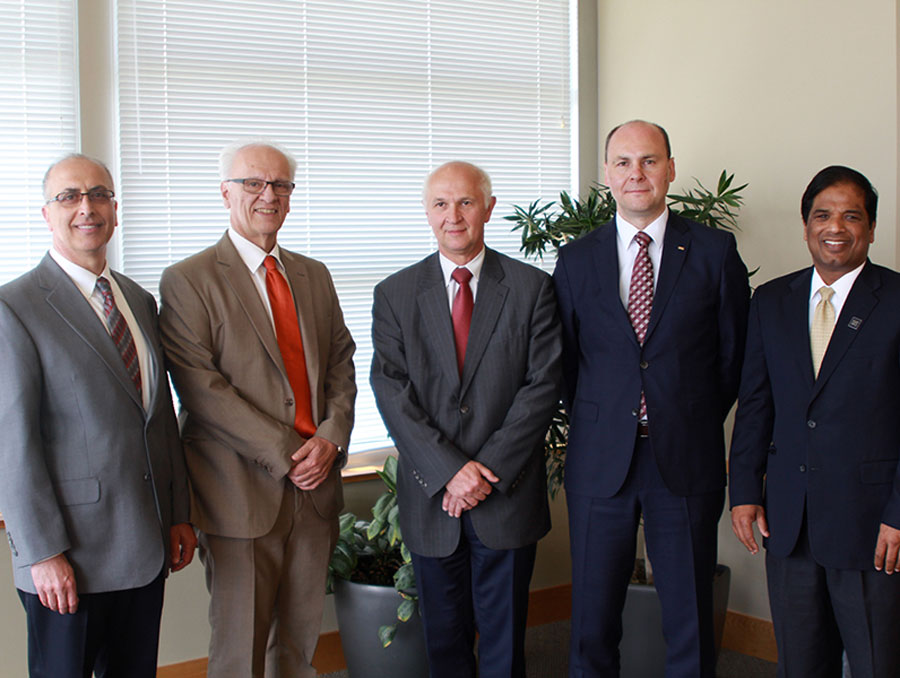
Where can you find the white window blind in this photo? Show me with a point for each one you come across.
(38, 95)
(369, 96)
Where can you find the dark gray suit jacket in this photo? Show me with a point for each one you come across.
(84, 470)
(497, 413)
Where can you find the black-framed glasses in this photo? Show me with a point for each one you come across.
(73, 197)
(257, 186)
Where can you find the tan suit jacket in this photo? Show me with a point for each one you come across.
(238, 406)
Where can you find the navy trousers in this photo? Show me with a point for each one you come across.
(113, 634)
(681, 535)
(475, 589)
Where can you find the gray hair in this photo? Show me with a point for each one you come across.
(75, 156)
(484, 179)
(227, 155)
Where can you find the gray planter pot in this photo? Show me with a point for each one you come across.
(642, 650)
(361, 609)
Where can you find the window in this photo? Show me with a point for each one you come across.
(38, 106)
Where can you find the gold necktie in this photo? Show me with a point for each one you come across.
(822, 326)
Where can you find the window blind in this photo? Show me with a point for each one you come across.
(38, 101)
(369, 96)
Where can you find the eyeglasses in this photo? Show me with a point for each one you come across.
(257, 186)
(71, 198)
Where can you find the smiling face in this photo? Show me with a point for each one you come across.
(457, 210)
(638, 172)
(257, 217)
(80, 232)
(838, 231)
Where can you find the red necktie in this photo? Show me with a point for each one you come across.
(290, 343)
(640, 296)
(121, 335)
(462, 313)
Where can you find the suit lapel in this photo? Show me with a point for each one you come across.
(676, 245)
(433, 305)
(488, 304)
(860, 302)
(67, 300)
(606, 266)
(795, 317)
(235, 272)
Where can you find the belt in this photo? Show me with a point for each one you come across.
(643, 430)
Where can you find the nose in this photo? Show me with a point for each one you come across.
(85, 206)
(454, 213)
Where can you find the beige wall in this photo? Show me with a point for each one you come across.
(772, 91)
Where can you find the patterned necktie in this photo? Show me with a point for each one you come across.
(821, 328)
(290, 343)
(462, 313)
(121, 335)
(640, 296)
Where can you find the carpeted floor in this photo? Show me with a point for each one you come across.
(547, 647)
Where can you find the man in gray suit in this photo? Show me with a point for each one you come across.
(466, 376)
(263, 364)
(93, 488)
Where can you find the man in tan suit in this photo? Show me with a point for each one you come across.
(262, 362)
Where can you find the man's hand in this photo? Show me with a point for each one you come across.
(742, 519)
(887, 548)
(54, 581)
(470, 485)
(312, 463)
(182, 542)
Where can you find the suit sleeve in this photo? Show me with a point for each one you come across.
(569, 325)
(754, 421)
(511, 446)
(207, 393)
(34, 522)
(430, 451)
(340, 378)
(734, 301)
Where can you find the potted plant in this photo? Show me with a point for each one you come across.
(372, 577)
(549, 226)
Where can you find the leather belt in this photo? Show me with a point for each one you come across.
(643, 430)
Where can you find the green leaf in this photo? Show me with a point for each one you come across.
(406, 609)
(405, 577)
(386, 634)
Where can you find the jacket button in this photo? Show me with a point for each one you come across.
(811, 423)
(644, 364)
(635, 412)
(146, 476)
(464, 409)
(802, 468)
(289, 402)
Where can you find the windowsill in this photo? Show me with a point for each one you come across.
(363, 465)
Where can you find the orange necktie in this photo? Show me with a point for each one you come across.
(290, 343)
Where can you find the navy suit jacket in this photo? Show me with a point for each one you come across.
(688, 367)
(830, 443)
(496, 413)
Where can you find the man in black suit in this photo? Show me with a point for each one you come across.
(814, 457)
(654, 313)
(466, 376)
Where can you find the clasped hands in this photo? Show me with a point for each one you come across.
(470, 486)
(312, 463)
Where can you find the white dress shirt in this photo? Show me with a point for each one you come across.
(253, 258)
(628, 249)
(447, 268)
(86, 282)
(841, 287)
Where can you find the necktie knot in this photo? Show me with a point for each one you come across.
(826, 293)
(643, 240)
(270, 263)
(462, 275)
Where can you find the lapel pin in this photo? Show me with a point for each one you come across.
(681, 248)
(854, 323)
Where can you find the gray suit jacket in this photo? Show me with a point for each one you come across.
(497, 413)
(238, 404)
(85, 470)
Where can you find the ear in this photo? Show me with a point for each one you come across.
(45, 212)
(805, 232)
(671, 164)
(490, 208)
(872, 233)
(224, 188)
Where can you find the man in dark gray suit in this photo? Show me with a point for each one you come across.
(93, 488)
(466, 376)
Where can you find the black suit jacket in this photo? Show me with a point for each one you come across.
(830, 443)
(688, 366)
(497, 413)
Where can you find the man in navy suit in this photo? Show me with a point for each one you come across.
(654, 313)
(817, 440)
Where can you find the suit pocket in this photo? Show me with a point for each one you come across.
(874, 472)
(80, 491)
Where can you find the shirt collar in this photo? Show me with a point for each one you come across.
(656, 229)
(84, 279)
(841, 286)
(474, 265)
(251, 254)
